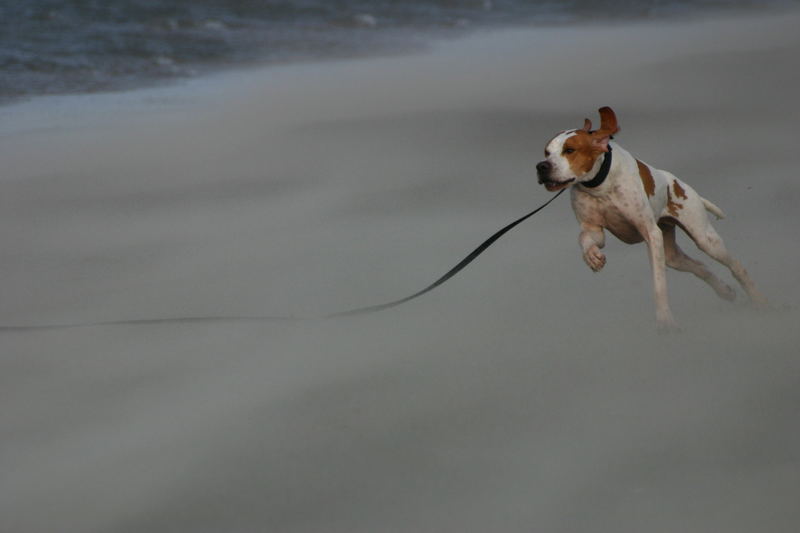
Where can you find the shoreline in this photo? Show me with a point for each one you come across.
(169, 50)
(173, 92)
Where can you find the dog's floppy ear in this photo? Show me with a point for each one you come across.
(608, 121)
(587, 125)
(600, 140)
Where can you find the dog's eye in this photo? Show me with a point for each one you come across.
(547, 153)
(569, 150)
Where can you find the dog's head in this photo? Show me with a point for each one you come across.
(573, 156)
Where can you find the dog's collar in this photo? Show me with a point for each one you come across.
(602, 174)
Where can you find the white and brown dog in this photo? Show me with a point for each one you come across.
(614, 191)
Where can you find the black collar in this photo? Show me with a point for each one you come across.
(602, 174)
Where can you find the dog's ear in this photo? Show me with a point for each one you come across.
(608, 120)
(600, 141)
(587, 125)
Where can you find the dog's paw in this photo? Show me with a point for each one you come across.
(760, 303)
(667, 325)
(726, 292)
(668, 328)
(595, 258)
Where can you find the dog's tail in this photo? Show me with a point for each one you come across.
(713, 209)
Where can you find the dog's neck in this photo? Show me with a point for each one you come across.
(602, 174)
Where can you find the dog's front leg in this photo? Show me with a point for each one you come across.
(592, 239)
(655, 246)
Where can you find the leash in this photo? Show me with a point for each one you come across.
(265, 318)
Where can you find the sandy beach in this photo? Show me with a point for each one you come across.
(526, 394)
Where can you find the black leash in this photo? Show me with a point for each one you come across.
(352, 312)
(452, 272)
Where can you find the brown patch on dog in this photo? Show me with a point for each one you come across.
(679, 191)
(647, 178)
(672, 206)
(581, 152)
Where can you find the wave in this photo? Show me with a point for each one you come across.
(65, 46)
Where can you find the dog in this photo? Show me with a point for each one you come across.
(635, 202)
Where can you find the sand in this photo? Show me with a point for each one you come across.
(527, 394)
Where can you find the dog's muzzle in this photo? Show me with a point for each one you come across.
(543, 170)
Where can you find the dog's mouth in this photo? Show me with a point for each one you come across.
(554, 186)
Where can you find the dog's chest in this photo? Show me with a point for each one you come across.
(618, 212)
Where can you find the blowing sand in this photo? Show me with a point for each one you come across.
(527, 394)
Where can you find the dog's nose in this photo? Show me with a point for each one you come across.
(543, 167)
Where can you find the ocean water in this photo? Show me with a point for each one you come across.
(75, 46)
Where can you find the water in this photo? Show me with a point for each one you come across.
(69, 46)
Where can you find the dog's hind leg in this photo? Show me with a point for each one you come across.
(677, 259)
(708, 240)
(690, 211)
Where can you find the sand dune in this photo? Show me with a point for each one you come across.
(527, 394)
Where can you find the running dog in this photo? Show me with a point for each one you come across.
(614, 191)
